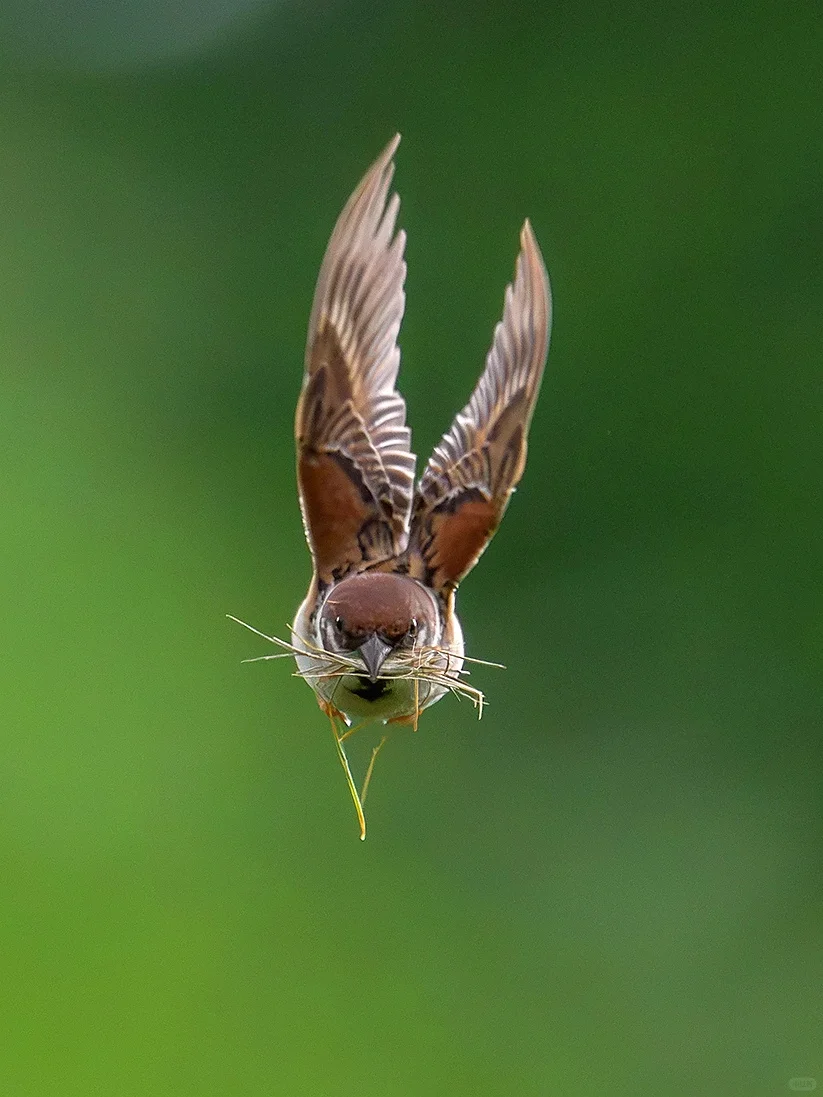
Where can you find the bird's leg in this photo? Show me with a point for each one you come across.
(330, 710)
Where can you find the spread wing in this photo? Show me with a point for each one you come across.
(475, 467)
(355, 469)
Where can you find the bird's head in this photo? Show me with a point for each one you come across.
(376, 613)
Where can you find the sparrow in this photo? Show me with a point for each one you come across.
(377, 636)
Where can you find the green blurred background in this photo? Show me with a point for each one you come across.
(612, 885)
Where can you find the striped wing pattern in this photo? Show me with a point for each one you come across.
(476, 466)
(354, 462)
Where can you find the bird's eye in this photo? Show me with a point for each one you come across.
(338, 623)
(413, 627)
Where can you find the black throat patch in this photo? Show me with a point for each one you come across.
(368, 690)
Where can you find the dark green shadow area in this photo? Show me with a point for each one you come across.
(612, 884)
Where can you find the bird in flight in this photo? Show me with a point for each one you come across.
(377, 636)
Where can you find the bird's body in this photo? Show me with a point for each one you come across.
(394, 696)
(377, 636)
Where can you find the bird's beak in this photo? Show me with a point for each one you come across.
(373, 653)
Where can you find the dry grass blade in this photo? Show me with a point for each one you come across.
(434, 665)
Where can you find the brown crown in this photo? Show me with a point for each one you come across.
(379, 602)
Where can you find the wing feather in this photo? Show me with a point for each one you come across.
(476, 466)
(354, 462)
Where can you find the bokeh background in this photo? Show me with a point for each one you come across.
(612, 884)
